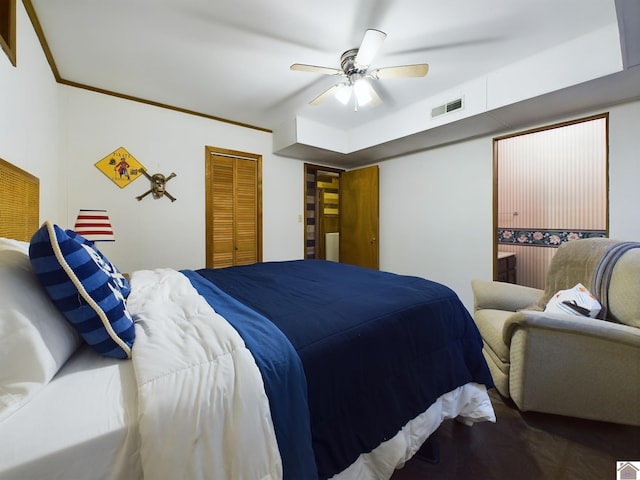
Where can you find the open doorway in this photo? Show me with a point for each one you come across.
(342, 215)
(551, 187)
(322, 212)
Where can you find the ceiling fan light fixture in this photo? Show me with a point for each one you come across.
(343, 95)
(363, 94)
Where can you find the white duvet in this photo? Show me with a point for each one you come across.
(203, 412)
(190, 405)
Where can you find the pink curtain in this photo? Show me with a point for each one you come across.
(552, 187)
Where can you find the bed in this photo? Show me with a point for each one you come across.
(301, 369)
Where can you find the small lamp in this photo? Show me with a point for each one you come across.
(94, 225)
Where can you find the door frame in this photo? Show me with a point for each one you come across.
(310, 168)
(310, 196)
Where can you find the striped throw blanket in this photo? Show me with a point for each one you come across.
(603, 271)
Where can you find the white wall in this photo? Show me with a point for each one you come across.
(157, 232)
(624, 172)
(29, 117)
(435, 214)
(436, 206)
(58, 133)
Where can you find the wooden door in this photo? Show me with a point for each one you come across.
(233, 208)
(359, 217)
(245, 188)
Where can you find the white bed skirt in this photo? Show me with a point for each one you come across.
(52, 452)
(469, 404)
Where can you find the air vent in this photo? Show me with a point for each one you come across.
(451, 106)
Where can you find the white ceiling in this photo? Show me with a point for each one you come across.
(230, 58)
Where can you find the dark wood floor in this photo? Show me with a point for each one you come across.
(526, 446)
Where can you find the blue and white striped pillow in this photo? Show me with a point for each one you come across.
(85, 287)
(105, 264)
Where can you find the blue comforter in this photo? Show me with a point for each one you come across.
(376, 349)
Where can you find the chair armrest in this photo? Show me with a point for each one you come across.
(577, 366)
(503, 296)
(557, 322)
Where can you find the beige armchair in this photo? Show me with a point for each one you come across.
(566, 364)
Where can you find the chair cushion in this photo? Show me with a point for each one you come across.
(490, 323)
(499, 372)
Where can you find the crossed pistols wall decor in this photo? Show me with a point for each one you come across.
(158, 186)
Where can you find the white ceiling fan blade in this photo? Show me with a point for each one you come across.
(404, 71)
(369, 47)
(328, 93)
(301, 67)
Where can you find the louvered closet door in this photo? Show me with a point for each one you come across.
(221, 189)
(246, 207)
(233, 211)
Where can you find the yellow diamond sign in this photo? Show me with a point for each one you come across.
(121, 167)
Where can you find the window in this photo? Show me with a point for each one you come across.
(8, 28)
(551, 188)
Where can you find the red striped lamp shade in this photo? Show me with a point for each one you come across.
(94, 225)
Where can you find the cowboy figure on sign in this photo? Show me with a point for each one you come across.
(122, 169)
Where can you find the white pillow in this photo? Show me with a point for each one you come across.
(35, 338)
(11, 244)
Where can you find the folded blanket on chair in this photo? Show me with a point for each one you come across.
(603, 271)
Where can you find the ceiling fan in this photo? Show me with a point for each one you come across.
(355, 65)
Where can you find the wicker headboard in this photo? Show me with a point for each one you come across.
(19, 202)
